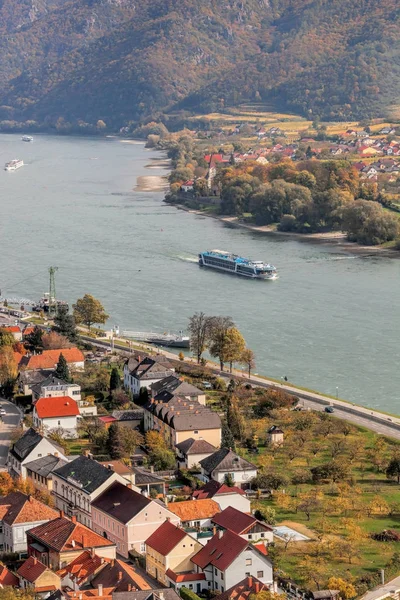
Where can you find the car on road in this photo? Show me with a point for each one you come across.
(329, 409)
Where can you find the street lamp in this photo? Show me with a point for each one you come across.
(337, 392)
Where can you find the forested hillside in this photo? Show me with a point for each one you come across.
(119, 60)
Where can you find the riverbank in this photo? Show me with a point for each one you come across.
(336, 238)
(154, 183)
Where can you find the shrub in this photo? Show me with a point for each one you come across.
(187, 594)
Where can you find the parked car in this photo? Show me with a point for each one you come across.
(329, 409)
(206, 385)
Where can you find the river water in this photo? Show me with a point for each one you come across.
(331, 322)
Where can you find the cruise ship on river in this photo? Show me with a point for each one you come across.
(237, 265)
(27, 138)
(13, 165)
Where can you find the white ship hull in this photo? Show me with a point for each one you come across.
(14, 165)
(270, 276)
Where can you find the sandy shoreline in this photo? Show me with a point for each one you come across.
(151, 183)
(333, 238)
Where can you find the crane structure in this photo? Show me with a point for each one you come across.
(52, 291)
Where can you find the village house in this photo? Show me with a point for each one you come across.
(224, 462)
(227, 559)
(7, 578)
(82, 570)
(169, 549)
(121, 576)
(154, 594)
(191, 452)
(15, 332)
(167, 388)
(274, 436)
(249, 586)
(180, 419)
(144, 372)
(29, 447)
(40, 471)
(53, 387)
(127, 517)
(59, 542)
(243, 524)
(34, 574)
(144, 480)
(49, 359)
(187, 186)
(18, 514)
(99, 593)
(224, 496)
(128, 418)
(195, 513)
(78, 483)
(52, 414)
(27, 379)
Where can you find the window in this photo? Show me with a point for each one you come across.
(142, 547)
(222, 588)
(247, 574)
(250, 536)
(262, 535)
(195, 431)
(216, 585)
(215, 571)
(248, 562)
(222, 576)
(260, 574)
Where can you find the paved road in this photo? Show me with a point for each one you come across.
(8, 423)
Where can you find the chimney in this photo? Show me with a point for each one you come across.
(383, 576)
(214, 530)
(109, 466)
(30, 498)
(257, 587)
(220, 534)
(103, 560)
(161, 595)
(73, 519)
(92, 552)
(80, 596)
(113, 562)
(191, 406)
(129, 587)
(73, 543)
(129, 486)
(151, 469)
(62, 514)
(100, 589)
(34, 560)
(119, 575)
(250, 582)
(196, 412)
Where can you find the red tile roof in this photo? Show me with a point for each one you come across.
(234, 520)
(213, 488)
(243, 589)
(180, 577)
(18, 357)
(220, 551)
(88, 594)
(194, 510)
(49, 358)
(59, 406)
(83, 566)
(31, 569)
(28, 330)
(261, 548)
(17, 507)
(165, 538)
(107, 419)
(8, 578)
(12, 329)
(64, 535)
(123, 577)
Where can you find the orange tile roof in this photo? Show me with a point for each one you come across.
(194, 510)
(64, 535)
(31, 569)
(59, 406)
(122, 576)
(165, 538)
(181, 577)
(243, 589)
(8, 578)
(89, 594)
(83, 566)
(49, 358)
(18, 357)
(12, 329)
(17, 507)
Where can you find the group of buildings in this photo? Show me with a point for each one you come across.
(104, 515)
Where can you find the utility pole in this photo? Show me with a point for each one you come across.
(52, 291)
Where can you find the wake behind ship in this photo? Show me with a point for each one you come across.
(237, 265)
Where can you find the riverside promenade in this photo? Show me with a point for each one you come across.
(358, 415)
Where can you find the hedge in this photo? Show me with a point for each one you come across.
(187, 594)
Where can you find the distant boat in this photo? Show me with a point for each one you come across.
(13, 165)
(27, 138)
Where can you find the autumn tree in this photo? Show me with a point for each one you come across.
(234, 346)
(393, 469)
(346, 589)
(64, 324)
(6, 337)
(54, 341)
(34, 340)
(248, 360)
(219, 327)
(199, 330)
(235, 418)
(88, 310)
(8, 370)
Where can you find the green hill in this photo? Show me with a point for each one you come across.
(119, 60)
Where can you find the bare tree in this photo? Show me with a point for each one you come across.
(248, 359)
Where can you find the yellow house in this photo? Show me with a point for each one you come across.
(33, 573)
(181, 419)
(169, 548)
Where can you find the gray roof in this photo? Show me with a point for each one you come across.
(128, 415)
(45, 465)
(143, 477)
(32, 377)
(226, 460)
(192, 446)
(88, 473)
(120, 502)
(150, 368)
(185, 415)
(156, 594)
(28, 442)
(175, 387)
(50, 380)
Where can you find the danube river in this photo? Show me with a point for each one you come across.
(331, 322)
